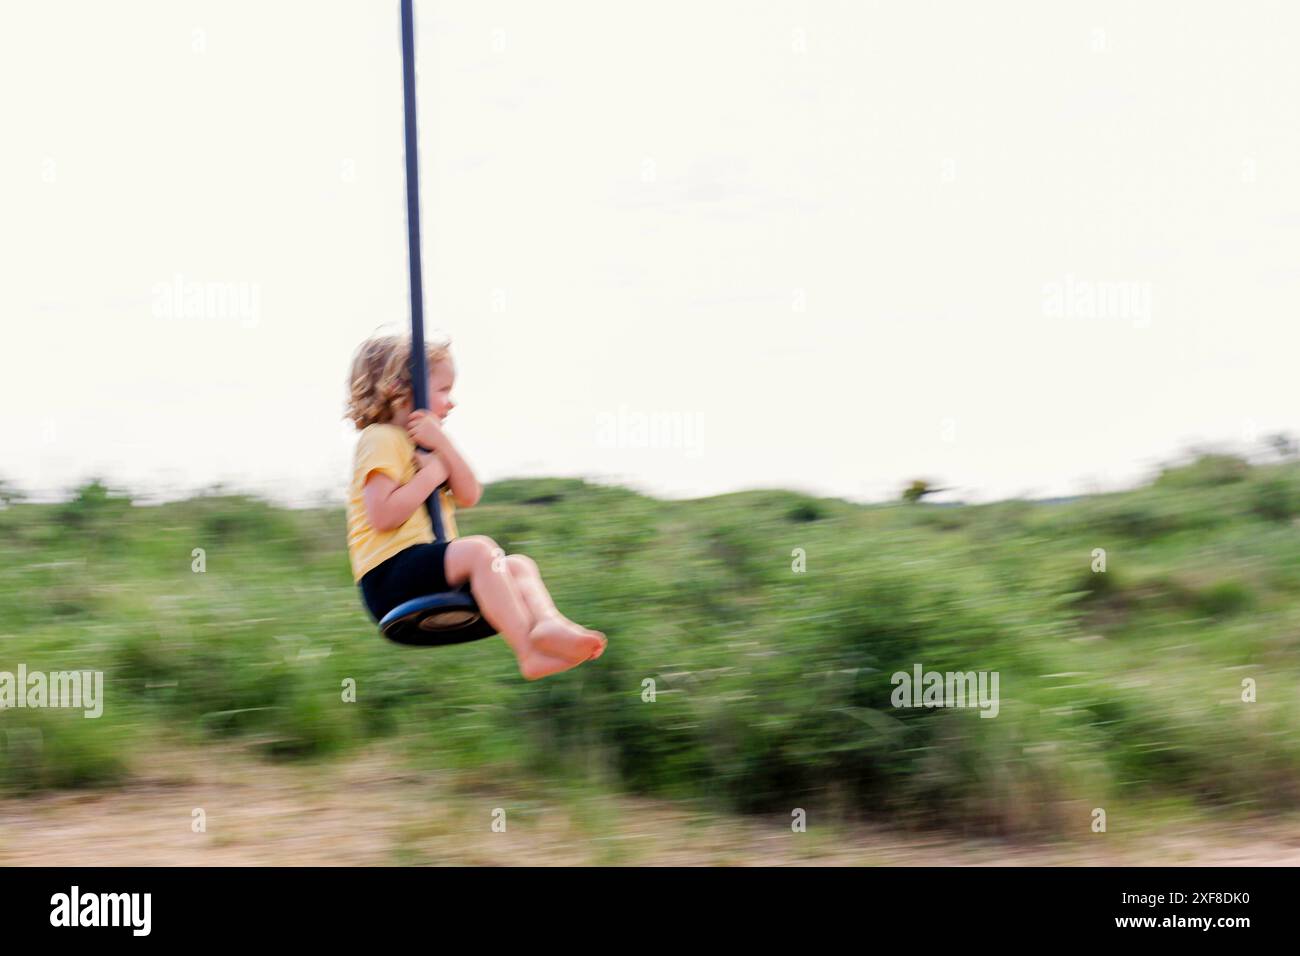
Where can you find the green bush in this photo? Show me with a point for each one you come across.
(95, 513)
(1207, 470)
(1275, 499)
(1224, 599)
(1136, 518)
(238, 520)
(1097, 585)
(805, 511)
(60, 749)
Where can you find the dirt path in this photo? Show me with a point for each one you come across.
(367, 810)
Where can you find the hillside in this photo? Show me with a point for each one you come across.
(1119, 690)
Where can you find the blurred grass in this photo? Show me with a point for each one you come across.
(772, 687)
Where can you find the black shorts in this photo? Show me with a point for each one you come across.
(411, 573)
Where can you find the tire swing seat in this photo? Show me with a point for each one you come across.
(436, 620)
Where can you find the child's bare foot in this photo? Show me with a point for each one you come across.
(554, 637)
(537, 665)
(579, 629)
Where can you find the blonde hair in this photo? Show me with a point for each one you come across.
(381, 376)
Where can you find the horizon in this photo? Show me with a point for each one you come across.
(1260, 459)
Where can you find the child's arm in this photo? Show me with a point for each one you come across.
(425, 430)
(460, 476)
(389, 505)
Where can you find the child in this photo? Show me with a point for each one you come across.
(390, 537)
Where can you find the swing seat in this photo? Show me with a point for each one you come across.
(435, 620)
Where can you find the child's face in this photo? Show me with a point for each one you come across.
(441, 378)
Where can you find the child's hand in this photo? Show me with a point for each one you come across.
(427, 460)
(424, 429)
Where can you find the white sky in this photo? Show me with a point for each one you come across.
(818, 234)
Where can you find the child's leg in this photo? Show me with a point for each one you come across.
(529, 581)
(539, 647)
(533, 591)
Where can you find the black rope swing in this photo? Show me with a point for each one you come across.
(448, 617)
